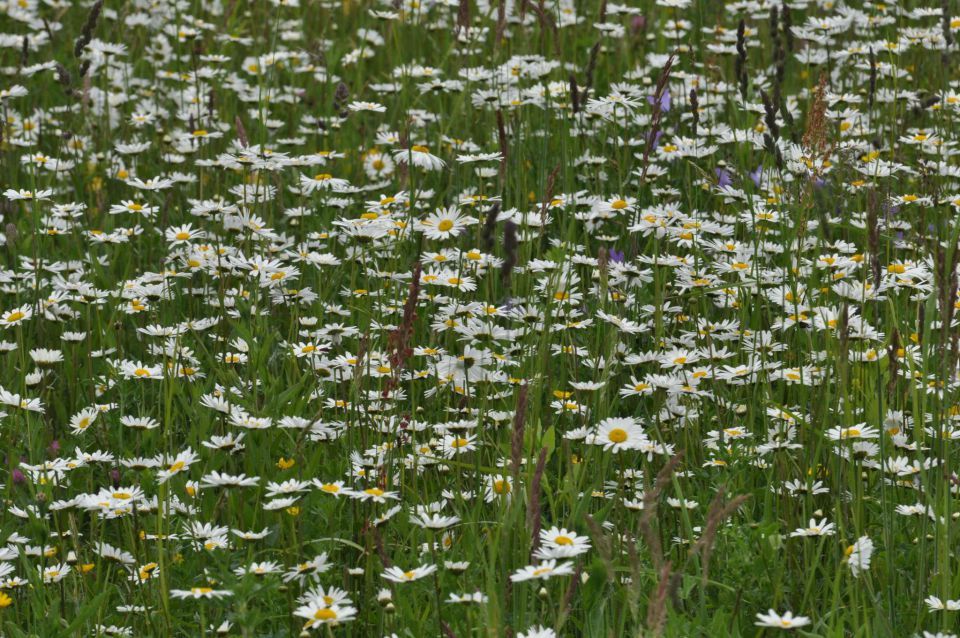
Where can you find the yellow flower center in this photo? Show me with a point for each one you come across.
(617, 435)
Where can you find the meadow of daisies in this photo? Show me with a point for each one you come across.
(500, 318)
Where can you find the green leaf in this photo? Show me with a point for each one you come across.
(86, 612)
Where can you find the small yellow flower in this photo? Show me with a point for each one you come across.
(285, 464)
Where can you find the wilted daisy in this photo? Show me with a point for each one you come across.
(859, 554)
(936, 604)
(307, 570)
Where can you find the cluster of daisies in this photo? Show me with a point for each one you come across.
(417, 317)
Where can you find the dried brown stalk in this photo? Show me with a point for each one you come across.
(650, 499)
(534, 515)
